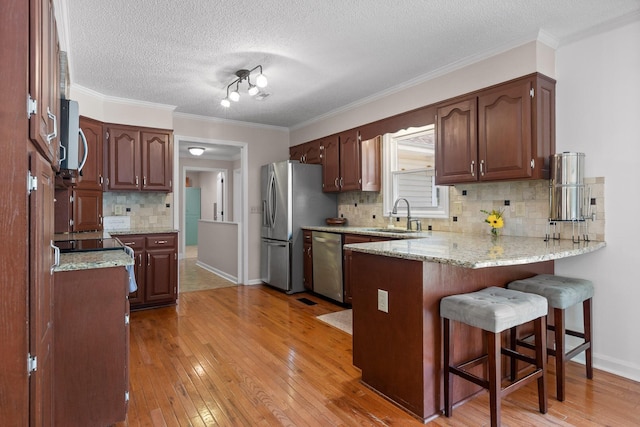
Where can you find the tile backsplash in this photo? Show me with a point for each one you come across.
(526, 215)
(146, 209)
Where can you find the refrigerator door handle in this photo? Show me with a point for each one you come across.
(271, 200)
(265, 214)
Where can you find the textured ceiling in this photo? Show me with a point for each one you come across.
(319, 56)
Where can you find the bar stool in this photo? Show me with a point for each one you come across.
(561, 293)
(494, 310)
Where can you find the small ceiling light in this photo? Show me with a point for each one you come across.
(197, 151)
(253, 90)
(242, 75)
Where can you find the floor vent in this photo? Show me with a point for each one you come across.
(307, 301)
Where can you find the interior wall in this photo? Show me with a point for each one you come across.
(208, 195)
(597, 111)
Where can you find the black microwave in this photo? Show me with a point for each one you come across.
(71, 137)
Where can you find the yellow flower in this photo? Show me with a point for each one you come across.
(495, 221)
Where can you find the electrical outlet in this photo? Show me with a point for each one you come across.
(383, 301)
(255, 209)
(118, 210)
(520, 209)
(456, 209)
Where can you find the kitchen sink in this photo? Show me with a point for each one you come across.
(392, 230)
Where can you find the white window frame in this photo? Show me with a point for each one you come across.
(389, 163)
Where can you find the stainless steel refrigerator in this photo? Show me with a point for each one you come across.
(291, 197)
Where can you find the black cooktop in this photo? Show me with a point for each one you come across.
(83, 245)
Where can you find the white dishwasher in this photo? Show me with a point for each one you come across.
(327, 265)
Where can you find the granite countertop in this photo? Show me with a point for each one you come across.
(93, 259)
(149, 230)
(474, 250)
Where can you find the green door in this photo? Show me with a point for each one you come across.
(192, 215)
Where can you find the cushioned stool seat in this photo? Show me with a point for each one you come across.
(494, 310)
(561, 293)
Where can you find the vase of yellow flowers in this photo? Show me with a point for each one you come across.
(495, 220)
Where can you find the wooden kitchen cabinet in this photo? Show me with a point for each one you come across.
(307, 257)
(77, 210)
(92, 174)
(91, 347)
(44, 80)
(309, 152)
(501, 133)
(139, 159)
(156, 268)
(347, 256)
(350, 164)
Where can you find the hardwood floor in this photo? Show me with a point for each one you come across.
(253, 356)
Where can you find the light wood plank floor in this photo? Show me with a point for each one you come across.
(252, 356)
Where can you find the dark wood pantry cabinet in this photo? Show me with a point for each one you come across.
(504, 132)
(139, 159)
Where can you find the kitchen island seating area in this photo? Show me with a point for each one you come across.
(494, 310)
(561, 293)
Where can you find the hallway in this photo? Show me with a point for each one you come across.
(195, 278)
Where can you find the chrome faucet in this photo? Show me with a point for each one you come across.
(395, 210)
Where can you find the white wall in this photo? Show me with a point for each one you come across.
(598, 110)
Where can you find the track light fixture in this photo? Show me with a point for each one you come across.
(252, 89)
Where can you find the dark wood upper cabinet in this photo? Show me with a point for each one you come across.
(91, 176)
(124, 162)
(156, 161)
(139, 159)
(349, 164)
(87, 210)
(501, 133)
(44, 77)
(309, 152)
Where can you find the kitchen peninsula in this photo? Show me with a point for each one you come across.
(397, 343)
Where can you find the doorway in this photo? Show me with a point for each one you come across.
(230, 205)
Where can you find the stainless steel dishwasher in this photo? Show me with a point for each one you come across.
(327, 265)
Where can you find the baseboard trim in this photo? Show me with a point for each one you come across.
(226, 276)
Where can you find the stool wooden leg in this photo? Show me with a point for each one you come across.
(448, 387)
(586, 314)
(495, 372)
(559, 339)
(540, 331)
(513, 343)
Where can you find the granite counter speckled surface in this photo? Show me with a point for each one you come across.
(467, 250)
(93, 259)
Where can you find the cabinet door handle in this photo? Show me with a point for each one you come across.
(482, 167)
(335, 182)
(148, 260)
(137, 180)
(473, 168)
(341, 182)
(160, 242)
(140, 260)
(129, 243)
(56, 256)
(53, 134)
(144, 181)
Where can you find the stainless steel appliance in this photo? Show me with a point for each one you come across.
(292, 197)
(327, 265)
(568, 197)
(70, 136)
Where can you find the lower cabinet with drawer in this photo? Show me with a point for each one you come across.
(156, 268)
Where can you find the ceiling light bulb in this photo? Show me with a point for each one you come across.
(225, 103)
(261, 81)
(234, 96)
(196, 151)
(253, 90)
